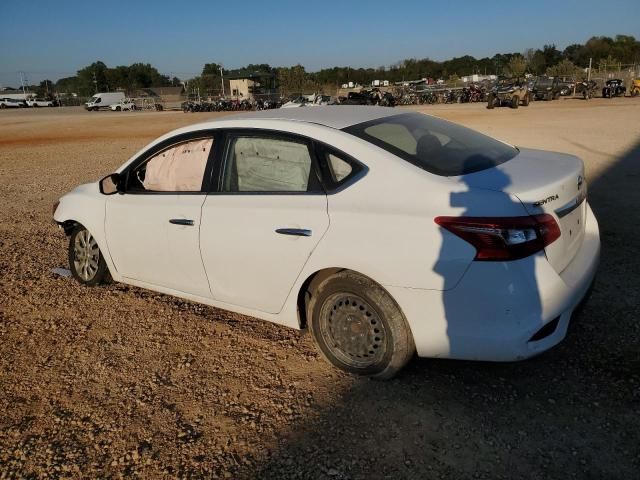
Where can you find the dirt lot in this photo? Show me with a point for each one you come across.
(115, 382)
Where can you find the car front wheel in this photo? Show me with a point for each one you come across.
(358, 327)
(85, 258)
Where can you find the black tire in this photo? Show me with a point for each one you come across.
(358, 327)
(515, 101)
(35, 105)
(87, 269)
(118, 109)
(526, 100)
(3, 106)
(491, 102)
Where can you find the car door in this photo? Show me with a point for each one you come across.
(264, 219)
(153, 228)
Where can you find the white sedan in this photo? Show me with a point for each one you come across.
(385, 234)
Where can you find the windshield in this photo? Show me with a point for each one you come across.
(93, 100)
(435, 145)
(544, 81)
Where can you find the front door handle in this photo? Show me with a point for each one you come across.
(297, 232)
(181, 221)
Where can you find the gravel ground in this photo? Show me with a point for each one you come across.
(115, 381)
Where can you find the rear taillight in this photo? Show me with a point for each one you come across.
(503, 238)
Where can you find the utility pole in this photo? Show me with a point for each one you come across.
(589, 72)
(95, 82)
(222, 80)
(22, 82)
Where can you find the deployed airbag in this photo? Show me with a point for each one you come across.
(179, 168)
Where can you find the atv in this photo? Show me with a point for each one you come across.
(547, 88)
(509, 91)
(613, 88)
(634, 91)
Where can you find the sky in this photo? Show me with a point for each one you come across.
(54, 40)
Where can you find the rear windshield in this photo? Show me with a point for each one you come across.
(435, 145)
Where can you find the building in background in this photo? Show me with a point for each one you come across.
(251, 85)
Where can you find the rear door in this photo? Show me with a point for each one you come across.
(264, 219)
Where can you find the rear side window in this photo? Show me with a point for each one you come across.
(340, 168)
(266, 164)
(435, 145)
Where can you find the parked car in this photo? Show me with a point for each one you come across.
(613, 88)
(546, 88)
(103, 100)
(509, 91)
(475, 249)
(11, 103)
(39, 102)
(126, 104)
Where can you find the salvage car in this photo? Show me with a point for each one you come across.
(384, 234)
(509, 91)
(126, 104)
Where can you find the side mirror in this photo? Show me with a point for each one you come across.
(110, 184)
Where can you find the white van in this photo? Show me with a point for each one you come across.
(104, 100)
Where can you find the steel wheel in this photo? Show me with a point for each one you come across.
(357, 326)
(352, 330)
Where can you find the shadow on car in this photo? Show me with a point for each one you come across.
(566, 413)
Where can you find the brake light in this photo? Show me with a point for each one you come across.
(504, 238)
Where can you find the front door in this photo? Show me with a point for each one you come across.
(262, 225)
(153, 229)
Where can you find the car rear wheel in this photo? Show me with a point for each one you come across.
(358, 327)
(85, 258)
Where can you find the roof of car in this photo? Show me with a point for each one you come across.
(338, 116)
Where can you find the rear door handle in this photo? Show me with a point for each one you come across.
(297, 232)
(181, 221)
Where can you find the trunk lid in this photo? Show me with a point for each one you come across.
(545, 182)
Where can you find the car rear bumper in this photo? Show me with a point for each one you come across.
(502, 311)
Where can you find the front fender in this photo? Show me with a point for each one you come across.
(86, 205)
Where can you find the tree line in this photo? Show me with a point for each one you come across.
(604, 51)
